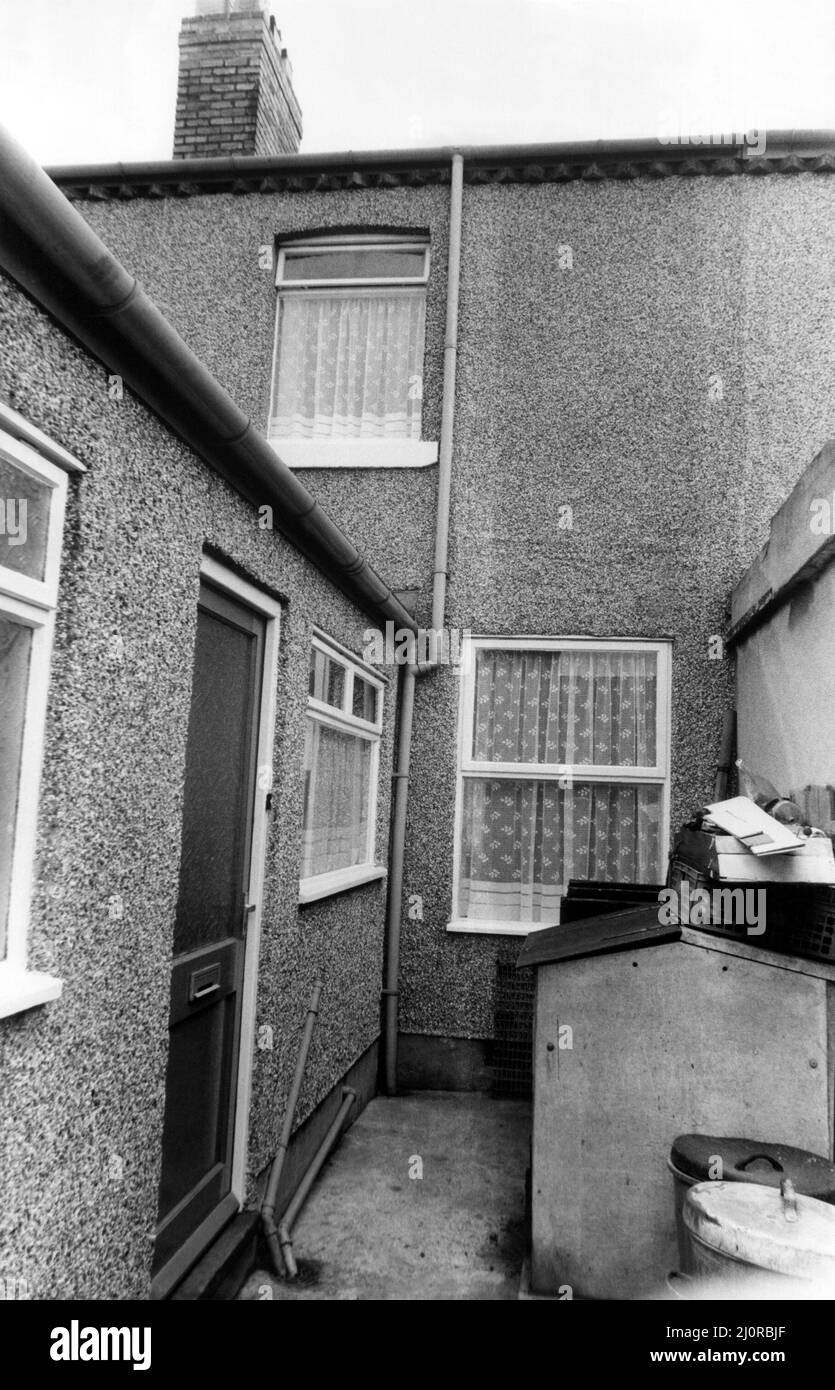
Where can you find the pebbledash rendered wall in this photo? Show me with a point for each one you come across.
(84, 1077)
(656, 353)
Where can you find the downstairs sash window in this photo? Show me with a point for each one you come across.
(562, 774)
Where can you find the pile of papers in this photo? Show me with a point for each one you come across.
(757, 830)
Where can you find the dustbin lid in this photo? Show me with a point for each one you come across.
(751, 1160)
(748, 1223)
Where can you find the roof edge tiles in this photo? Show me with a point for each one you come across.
(777, 152)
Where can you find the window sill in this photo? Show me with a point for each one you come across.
(325, 885)
(25, 989)
(356, 453)
(486, 928)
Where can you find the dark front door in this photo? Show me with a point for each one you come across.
(207, 969)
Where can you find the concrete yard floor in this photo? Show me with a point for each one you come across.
(370, 1230)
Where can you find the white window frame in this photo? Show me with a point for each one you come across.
(317, 886)
(348, 453)
(365, 241)
(469, 767)
(33, 603)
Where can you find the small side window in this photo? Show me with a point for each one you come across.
(341, 764)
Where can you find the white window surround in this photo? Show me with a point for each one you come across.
(658, 775)
(325, 885)
(16, 425)
(356, 453)
(31, 603)
(317, 886)
(299, 453)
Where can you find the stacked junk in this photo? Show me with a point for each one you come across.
(753, 867)
(752, 1216)
(707, 1008)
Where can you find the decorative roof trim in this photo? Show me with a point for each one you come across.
(779, 152)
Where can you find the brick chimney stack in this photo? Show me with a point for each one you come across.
(235, 90)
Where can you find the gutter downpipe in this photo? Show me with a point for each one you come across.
(271, 1231)
(48, 248)
(411, 672)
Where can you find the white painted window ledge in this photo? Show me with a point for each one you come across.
(483, 927)
(25, 989)
(325, 885)
(356, 453)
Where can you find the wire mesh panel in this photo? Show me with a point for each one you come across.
(512, 1064)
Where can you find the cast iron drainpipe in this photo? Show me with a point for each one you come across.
(271, 1231)
(411, 672)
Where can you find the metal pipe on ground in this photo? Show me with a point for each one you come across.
(322, 1153)
(271, 1231)
(439, 587)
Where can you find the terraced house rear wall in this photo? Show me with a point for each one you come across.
(84, 1077)
(655, 353)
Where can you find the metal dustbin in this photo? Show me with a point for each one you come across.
(745, 1235)
(698, 1158)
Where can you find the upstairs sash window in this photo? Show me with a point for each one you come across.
(349, 340)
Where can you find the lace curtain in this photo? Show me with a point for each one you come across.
(595, 708)
(349, 366)
(337, 782)
(523, 839)
(15, 656)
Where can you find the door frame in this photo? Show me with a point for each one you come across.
(216, 573)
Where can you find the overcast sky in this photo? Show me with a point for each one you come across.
(95, 80)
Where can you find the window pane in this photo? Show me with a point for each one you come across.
(335, 689)
(586, 707)
(15, 653)
(349, 366)
(521, 841)
(218, 790)
(24, 520)
(318, 672)
(365, 700)
(337, 782)
(354, 263)
(327, 679)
